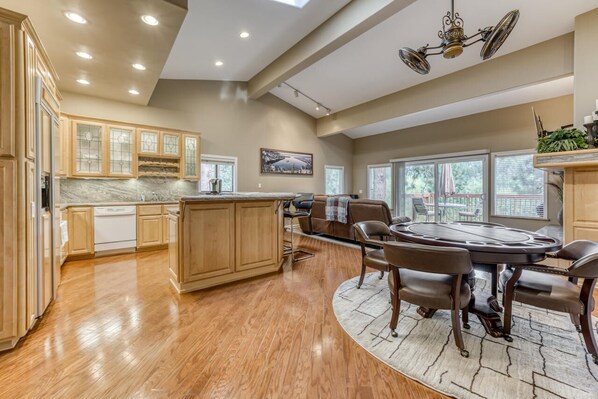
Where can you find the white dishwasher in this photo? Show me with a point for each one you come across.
(115, 227)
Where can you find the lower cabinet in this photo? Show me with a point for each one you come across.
(173, 246)
(47, 282)
(149, 231)
(152, 225)
(257, 234)
(80, 227)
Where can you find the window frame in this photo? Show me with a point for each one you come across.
(391, 205)
(342, 169)
(220, 159)
(499, 154)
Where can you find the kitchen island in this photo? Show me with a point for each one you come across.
(217, 239)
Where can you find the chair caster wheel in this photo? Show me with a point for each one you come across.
(508, 338)
(466, 326)
(359, 286)
(394, 333)
(464, 353)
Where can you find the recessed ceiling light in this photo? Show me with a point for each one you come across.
(133, 92)
(219, 63)
(75, 17)
(83, 81)
(244, 35)
(139, 67)
(150, 20)
(85, 55)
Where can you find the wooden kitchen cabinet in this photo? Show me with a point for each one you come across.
(173, 246)
(121, 157)
(170, 144)
(64, 248)
(62, 166)
(8, 253)
(30, 70)
(190, 160)
(31, 244)
(80, 228)
(149, 142)
(257, 234)
(47, 264)
(88, 153)
(149, 231)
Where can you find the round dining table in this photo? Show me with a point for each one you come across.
(489, 246)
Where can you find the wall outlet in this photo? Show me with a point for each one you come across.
(259, 185)
(360, 191)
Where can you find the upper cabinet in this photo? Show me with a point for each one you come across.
(88, 148)
(101, 148)
(121, 156)
(171, 145)
(190, 169)
(62, 163)
(149, 142)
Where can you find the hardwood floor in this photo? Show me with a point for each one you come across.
(118, 330)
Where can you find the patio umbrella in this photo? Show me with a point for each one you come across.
(447, 181)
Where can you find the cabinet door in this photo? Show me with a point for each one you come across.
(257, 234)
(191, 162)
(165, 232)
(81, 231)
(64, 249)
(208, 241)
(149, 142)
(31, 244)
(46, 260)
(171, 145)
(46, 141)
(30, 73)
(7, 95)
(149, 231)
(173, 247)
(65, 130)
(122, 154)
(88, 148)
(8, 249)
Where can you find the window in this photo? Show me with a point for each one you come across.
(335, 177)
(218, 167)
(519, 188)
(380, 183)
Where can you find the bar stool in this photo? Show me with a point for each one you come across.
(302, 204)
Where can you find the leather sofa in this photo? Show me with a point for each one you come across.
(358, 210)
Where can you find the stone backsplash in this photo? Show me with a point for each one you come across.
(123, 190)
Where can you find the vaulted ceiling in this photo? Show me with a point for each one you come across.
(341, 53)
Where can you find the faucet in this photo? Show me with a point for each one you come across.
(142, 197)
(155, 196)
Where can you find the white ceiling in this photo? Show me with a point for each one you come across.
(503, 99)
(211, 32)
(369, 67)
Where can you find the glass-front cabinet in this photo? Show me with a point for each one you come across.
(149, 142)
(88, 148)
(171, 144)
(190, 157)
(121, 153)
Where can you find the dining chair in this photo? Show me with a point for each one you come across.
(431, 277)
(373, 233)
(420, 208)
(556, 288)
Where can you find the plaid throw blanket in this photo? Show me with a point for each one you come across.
(336, 209)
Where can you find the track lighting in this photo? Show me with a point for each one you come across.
(297, 92)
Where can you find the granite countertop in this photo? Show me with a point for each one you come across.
(254, 196)
(117, 203)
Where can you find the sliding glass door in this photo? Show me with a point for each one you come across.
(444, 190)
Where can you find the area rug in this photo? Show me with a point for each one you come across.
(547, 358)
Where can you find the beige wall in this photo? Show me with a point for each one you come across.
(500, 130)
(586, 61)
(232, 125)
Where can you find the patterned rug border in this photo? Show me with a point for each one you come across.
(407, 374)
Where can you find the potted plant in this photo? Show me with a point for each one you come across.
(569, 139)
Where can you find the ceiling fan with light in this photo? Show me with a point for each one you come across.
(454, 40)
